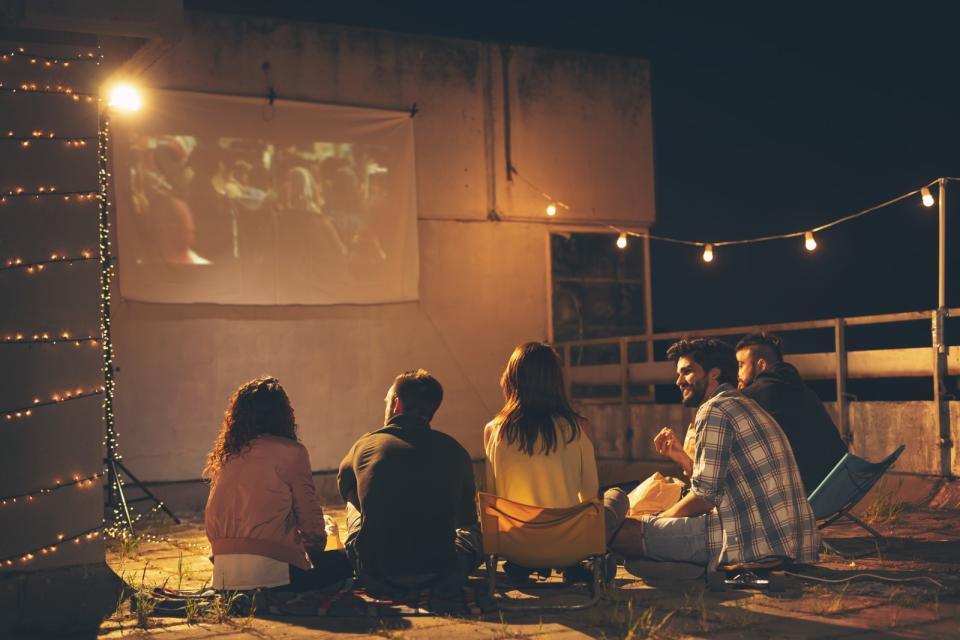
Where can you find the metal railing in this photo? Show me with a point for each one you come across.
(839, 364)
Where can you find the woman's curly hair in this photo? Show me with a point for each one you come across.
(259, 407)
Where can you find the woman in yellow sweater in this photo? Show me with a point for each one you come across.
(537, 451)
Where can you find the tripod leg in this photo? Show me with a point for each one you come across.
(119, 492)
(149, 493)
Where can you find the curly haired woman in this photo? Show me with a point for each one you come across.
(263, 520)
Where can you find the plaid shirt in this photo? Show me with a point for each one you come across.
(745, 467)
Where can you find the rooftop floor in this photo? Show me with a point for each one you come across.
(922, 542)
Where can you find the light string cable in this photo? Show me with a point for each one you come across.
(721, 243)
(65, 337)
(28, 556)
(48, 60)
(30, 496)
(57, 398)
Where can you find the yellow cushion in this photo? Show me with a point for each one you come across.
(539, 536)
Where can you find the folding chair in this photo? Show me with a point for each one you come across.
(845, 486)
(543, 537)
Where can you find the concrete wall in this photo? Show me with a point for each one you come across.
(57, 442)
(878, 429)
(580, 128)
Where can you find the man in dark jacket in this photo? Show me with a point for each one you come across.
(777, 387)
(410, 495)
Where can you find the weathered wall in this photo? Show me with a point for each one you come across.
(581, 127)
(57, 442)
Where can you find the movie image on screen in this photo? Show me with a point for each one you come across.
(218, 203)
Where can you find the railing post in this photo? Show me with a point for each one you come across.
(625, 398)
(840, 349)
(940, 405)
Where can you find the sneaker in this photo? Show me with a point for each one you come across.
(664, 571)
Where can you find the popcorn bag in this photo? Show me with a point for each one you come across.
(333, 533)
(653, 495)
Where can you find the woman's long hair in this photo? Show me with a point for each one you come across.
(259, 407)
(534, 395)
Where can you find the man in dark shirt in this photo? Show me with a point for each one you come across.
(777, 387)
(410, 494)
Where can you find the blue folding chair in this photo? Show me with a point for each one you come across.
(845, 486)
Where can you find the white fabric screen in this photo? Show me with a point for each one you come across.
(223, 199)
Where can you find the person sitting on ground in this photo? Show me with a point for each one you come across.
(537, 452)
(746, 501)
(776, 386)
(410, 496)
(262, 518)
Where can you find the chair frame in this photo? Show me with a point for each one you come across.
(595, 589)
(844, 512)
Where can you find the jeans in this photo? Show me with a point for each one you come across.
(665, 539)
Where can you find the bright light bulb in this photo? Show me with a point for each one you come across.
(926, 197)
(809, 241)
(622, 241)
(708, 253)
(551, 209)
(125, 98)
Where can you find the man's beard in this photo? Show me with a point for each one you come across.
(697, 391)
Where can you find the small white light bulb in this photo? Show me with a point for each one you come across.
(809, 241)
(551, 209)
(708, 253)
(926, 197)
(622, 241)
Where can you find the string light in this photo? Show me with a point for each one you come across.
(926, 197)
(64, 337)
(106, 276)
(622, 241)
(552, 209)
(26, 141)
(56, 398)
(82, 483)
(49, 61)
(13, 264)
(25, 557)
(708, 253)
(44, 191)
(809, 241)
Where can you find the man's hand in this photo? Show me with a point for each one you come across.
(668, 444)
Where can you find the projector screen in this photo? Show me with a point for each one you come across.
(228, 200)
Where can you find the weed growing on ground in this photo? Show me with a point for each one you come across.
(391, 629)
(506, 633)
(886, 507)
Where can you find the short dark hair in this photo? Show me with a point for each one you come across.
(764, 345)
(419, 393)
(709, 353)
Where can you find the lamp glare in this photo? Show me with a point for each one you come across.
(622, 241)
(926, 197)
(708, 253)
(125, 98)
(551, 209)
(809, 241)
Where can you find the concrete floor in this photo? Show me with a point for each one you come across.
(923, 542)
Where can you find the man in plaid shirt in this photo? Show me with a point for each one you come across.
(746, 501)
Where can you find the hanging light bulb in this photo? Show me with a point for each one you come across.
(926, 197)
(809, 241)
(552, 209)
(622, 241)
(708, 253)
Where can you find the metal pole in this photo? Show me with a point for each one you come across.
(840, 348)
(940, 396)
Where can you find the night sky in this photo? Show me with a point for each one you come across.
(768, 118)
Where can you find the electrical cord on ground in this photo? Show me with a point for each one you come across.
(871, 576)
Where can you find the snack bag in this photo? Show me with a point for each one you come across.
(653, 495)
